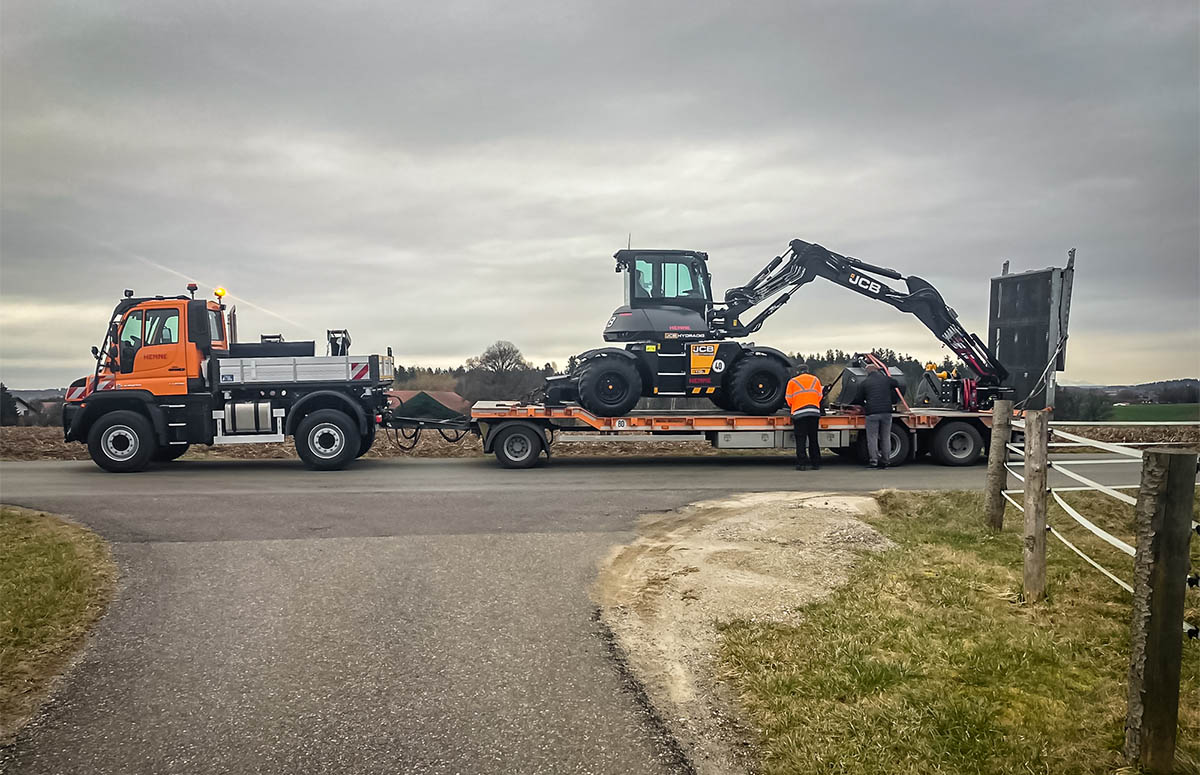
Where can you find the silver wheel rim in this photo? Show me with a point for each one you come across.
(517, 447)
(121, 443)
(959, 445)
(326, 440)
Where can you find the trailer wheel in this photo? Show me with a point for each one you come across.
(169, 452)
(899, 451)
(758, 384)
(367, 442)
(609, 386)
(327, 440)
(518, 447)
(957, 444)
(122, 441)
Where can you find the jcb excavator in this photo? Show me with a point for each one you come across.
(677, 338)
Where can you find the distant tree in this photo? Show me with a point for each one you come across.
(1081, 404)
(1179, 393)
(572, 364)
(499, 358)
(8, 406)
(1128, 396)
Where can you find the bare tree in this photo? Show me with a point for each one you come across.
(501, 357)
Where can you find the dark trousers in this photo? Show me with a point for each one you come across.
(806, 435)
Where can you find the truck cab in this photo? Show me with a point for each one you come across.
(167, 376)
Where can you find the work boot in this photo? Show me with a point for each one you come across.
(801, 467)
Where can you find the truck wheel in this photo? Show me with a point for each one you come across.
(758, 384)
(609, 386)
(519, 446)
(367, 442)
(169, 452)
(327, 440)
(957, 444)
(122, 441)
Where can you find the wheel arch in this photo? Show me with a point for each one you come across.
(489, 438)
(643, 368)
(325, 399)
(100, 404)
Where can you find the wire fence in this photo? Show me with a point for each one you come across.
(1122, 453)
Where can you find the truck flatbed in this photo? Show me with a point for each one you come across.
(517, 432)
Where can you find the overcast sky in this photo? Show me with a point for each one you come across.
(434, 176)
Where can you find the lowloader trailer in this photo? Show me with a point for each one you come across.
(519, 434)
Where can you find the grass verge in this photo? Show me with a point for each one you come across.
(927, 661)
(56, 578)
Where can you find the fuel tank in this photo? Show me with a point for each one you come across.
(657, 324)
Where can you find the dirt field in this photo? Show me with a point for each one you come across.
(47, 444)
(758, 557)
(20, 443)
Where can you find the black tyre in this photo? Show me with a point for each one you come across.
(122, 441)
(899, 451)
(367, 441)
(721, 400)
(609, 386)
(168, 453)
(758, 384)
(327, 439)
(518, 446)
(957, 444)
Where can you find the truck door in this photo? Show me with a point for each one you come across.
(152, 355)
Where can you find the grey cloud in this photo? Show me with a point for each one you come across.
(469, 171)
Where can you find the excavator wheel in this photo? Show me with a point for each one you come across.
(758, 384)
(721, 400)
(609, 386)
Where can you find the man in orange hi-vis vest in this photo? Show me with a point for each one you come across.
(804, 401)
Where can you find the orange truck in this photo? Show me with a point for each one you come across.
(167, 377)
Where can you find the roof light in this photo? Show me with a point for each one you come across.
(219, 293)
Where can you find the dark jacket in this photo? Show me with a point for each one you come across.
(879, 393)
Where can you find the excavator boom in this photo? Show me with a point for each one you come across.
(806, 261)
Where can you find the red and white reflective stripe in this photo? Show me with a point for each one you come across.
(105, 383)
(76, 393)
(359, 370)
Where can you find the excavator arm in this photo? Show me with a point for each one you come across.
(806, 261)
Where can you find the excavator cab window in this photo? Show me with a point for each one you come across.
(658, 280)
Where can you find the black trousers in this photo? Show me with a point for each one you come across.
(806, 435)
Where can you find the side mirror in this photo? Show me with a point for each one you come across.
(95, 352)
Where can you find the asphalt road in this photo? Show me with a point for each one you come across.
(416, 616)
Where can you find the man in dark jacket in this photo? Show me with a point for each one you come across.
(879, 393)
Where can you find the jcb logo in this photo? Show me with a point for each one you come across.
(704, 349)
(866, 283)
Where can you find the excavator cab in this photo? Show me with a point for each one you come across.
(668, 295)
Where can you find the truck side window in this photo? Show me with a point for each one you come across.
(162, 326)
(216, 326)
(643, 279)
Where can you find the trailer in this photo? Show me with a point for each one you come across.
(518, 433)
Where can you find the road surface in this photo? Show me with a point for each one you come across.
(416, 616)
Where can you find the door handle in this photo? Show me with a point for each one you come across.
(177, 368)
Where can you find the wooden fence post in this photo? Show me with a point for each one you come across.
(1036, 459)
(1163, 521)
(997, 475)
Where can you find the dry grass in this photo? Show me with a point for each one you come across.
(929, 662)
(56, 578)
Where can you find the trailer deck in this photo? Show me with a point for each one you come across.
(517, 432)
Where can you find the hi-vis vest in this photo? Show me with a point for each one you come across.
(804, 392)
